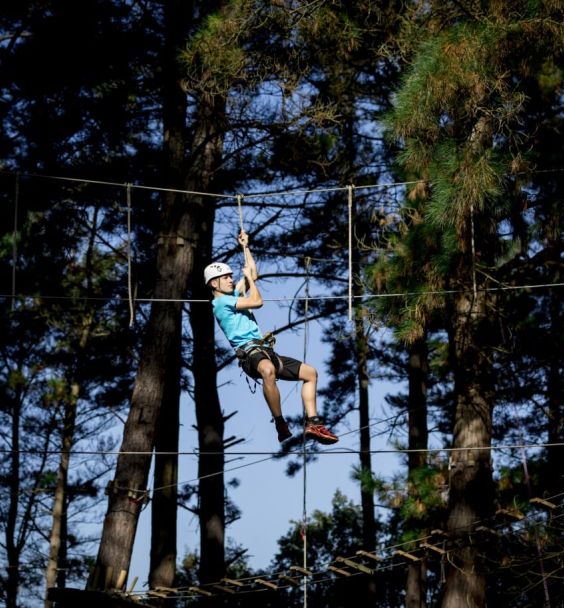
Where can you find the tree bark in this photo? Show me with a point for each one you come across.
(164, 506)
(471, 492)
(210, 425)
(59, 501)
(417, 373)
(12, 551)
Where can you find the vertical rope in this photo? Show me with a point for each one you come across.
(129, 281)
(350, 191)
(15, 239)
(239, 198)
(307, 263)
(473, 245)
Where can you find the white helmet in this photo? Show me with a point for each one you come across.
(217, 269)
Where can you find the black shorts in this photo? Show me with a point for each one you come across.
(286, 367)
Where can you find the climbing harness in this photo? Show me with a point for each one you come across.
(263, 345)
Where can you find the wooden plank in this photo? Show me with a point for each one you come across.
(541, 502)
(432, 548)
(153, 593)
(223, 588)
(108, 578)
(512, 514)
(302, 570)
(355, 565)
(132, 586)
(407, 555)
(233, 582)
(260, 581)
(200, 591)
(120, 583)
(373, 556)
(293, 581)
(339, 571)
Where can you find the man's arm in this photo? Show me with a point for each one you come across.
(243, 239)
(254, 299)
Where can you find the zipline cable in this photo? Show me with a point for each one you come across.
(435, 292)
(297, 192)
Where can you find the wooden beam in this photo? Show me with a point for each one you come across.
(260, 581)
(373, 556)
(355, 565)
(233, 582)
(120, 583)
(132, 586)
(407, 555)
(339, 571)
(302, 570)
(153, 593)
(293, 581)
(511, 514)
(223, 588)
(541, 502)
(200, 591)
(108, 578)
(431, 547)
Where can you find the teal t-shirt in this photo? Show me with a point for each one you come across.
(239, 326)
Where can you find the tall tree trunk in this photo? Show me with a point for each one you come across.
(59, 502)
(211, 464)
(417, 373)
(59, 526)
(162, 569)
(471, 492)
(12, 550)
(164, 506)
(127, 491)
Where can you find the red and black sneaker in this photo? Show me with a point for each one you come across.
(315, 430)
(282, 429)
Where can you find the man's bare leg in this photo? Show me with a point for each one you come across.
(269, 387)
(308, 374)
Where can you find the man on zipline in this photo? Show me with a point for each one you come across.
(232, 307)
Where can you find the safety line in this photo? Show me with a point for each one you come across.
(296, 298)
(296, 192)
(251, 195)
(328, 452)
